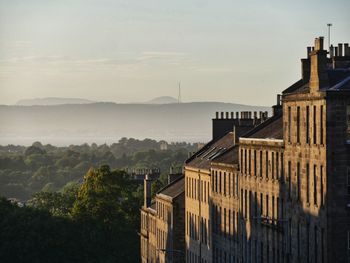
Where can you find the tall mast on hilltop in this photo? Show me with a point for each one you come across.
(329, 36)
(179, 95)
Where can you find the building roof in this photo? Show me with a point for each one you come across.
(174, 189)
(270, 129)
(210, 151)
(230, 156)
(339, 79)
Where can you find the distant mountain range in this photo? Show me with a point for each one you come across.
(163, 100)
(60, 101)
(52, 101)
(108, 122)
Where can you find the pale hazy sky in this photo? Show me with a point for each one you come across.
(129, 51)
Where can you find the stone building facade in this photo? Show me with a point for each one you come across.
(277, 189)
(163, 223)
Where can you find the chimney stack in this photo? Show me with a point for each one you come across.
(173, 175)
(318, 74)
(147, 191)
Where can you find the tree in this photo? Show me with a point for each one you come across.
(107, 206)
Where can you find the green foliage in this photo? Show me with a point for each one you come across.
(27, 170)
(94, 222)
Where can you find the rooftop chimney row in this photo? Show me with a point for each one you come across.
(241, 115)
(341, 50)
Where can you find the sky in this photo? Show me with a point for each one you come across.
(133, 50)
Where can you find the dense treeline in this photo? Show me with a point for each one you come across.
(27, 170)
(96, 221)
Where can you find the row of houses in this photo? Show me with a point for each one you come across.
(265, 189)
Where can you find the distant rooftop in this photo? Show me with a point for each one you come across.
(173, 189)
(270, 129)
(210, 151)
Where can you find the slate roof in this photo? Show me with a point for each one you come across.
(210, 151)
(339, 79)
(230, 156)
(272, 128)
(174, 189)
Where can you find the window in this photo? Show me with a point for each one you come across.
(348, 185)
(254, 162)
(321, 182)
(224, 183)
(229, 223)
(245, 203)
(195, 188)
(267, 206)
(315, 185)
(225, 222)
(298, 181)
(289, 180)
(245, 161)
(298, 236)
(321, 124)
(261, 204)
(255, 205)
(249, 162)
(277, 167)
(307, 124)
(316, 244)
(307, 242)
(204, 191)
(273, 165)
(289, 124)
(220, 182)
(308, 183)
(261, 157)
(315, 125)
(298, 124)
(348, 122)
(229, 184)
(273, 208)
(267, 164)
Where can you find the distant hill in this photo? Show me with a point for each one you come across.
(108, 122)
(52, 101)
(163, 100)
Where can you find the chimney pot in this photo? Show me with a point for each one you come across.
(340, 49)
(331, 51)
(278, 99)
(227, 115)
(308, 50)
(255, 115)
(237, 115)
(232, 115)
(222, 114)
(346, 49)
(319, 43)
(217, 115)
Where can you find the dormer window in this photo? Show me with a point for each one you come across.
(348, 123)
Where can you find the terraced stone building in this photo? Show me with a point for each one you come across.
(277, 189)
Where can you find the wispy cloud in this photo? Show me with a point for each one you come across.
(118, 62)
(214, 69)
